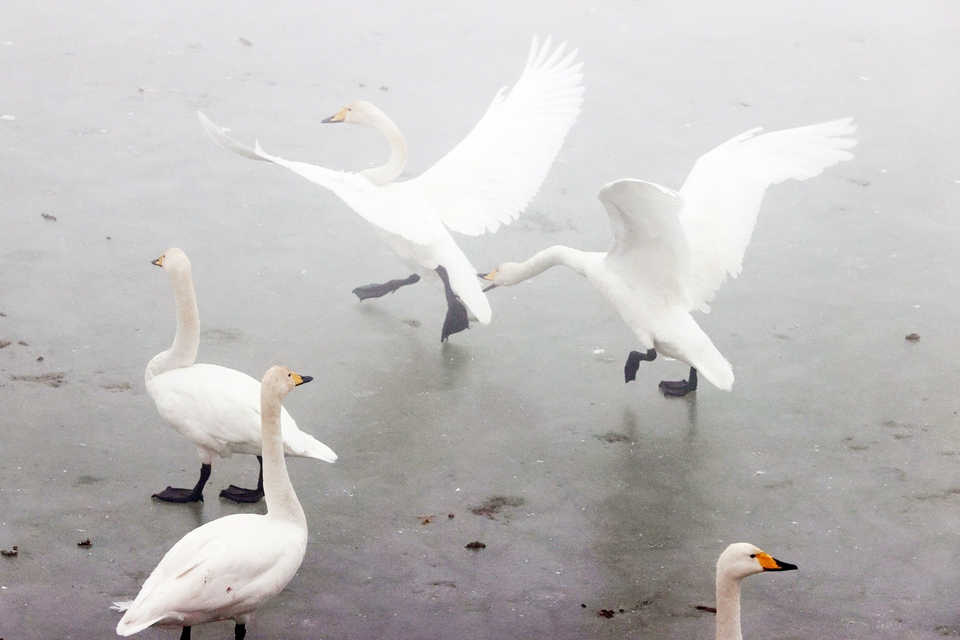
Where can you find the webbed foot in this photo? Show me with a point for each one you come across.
(457, 317)
(680, 387)
(184, 496)
(379, 290)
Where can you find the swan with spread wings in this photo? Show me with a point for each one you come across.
(484, 182)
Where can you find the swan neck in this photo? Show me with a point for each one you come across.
(282, 502)
(186, 342)
(728, 609)
(551, 257)
(398, 153)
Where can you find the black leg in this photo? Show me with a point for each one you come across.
(378, 290)
(182, 496)
(248, 496)
(457, 319)
(681, 387)
(633, 363)
(240, 631)
(186, 634)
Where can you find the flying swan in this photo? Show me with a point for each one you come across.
(738, 561)
(215, 408)
(484, 182)
(671, 251)
(229, 567)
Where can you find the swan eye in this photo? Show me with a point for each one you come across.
(753, 555)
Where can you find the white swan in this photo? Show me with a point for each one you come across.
(738, 561)
(215, 408)
(229, 567)
(671, 251)
(485, 181)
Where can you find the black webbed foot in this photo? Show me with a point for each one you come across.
(457, 317)
(246, 496)
(680, 387)
(633, 363)
(379, 290)
(239, 632)
(181, 496)
(239, 494)
(184, 496)
(185, 634)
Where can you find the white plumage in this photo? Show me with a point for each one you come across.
(671, 251)
(485, 181)
(227, 568)
(215, 408)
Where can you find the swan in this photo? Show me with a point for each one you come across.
(671, 251)
(215, 408)
(229, 567)
(484, 182)
(738, 561)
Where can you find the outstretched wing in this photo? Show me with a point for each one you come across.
(373, 203)
(725, 187)
(649, 250)
(491, 176)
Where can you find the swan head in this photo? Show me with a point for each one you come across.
(507, 274)
(173, 261)
(359, 112)
(742, 559)
(281, 381)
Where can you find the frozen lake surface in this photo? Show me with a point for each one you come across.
(837, 450)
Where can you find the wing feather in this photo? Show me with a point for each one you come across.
(491, 176)
(724, 190)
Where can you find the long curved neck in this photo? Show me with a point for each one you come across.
(186, 343)
(282, 502)
(398, 153)
(728, 609)
(551, 257)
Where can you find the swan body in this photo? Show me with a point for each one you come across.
(672, 250)
(484, 182)
(738, 561)
(227, 568)
(215, 408)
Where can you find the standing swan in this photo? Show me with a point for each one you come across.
(229, 567)
(215, 408)
(671, 251)
(738, 561)
(485, 181)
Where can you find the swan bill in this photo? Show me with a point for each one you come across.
(769, 563)
(158, 261)
(489, 276)
(339, 116)
(299, 380)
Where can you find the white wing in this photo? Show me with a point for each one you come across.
(649, 250)
(385, 206)
(219, 408)
(725, 187)
(491, 176)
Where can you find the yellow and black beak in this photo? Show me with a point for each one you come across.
(489, 276)
(769, 563)
(158, 261)
(339, 116)
(299, 380)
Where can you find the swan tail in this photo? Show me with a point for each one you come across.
(715, 368)
(129, 625)
(313, 448)
(122, 605)
(679, 336)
